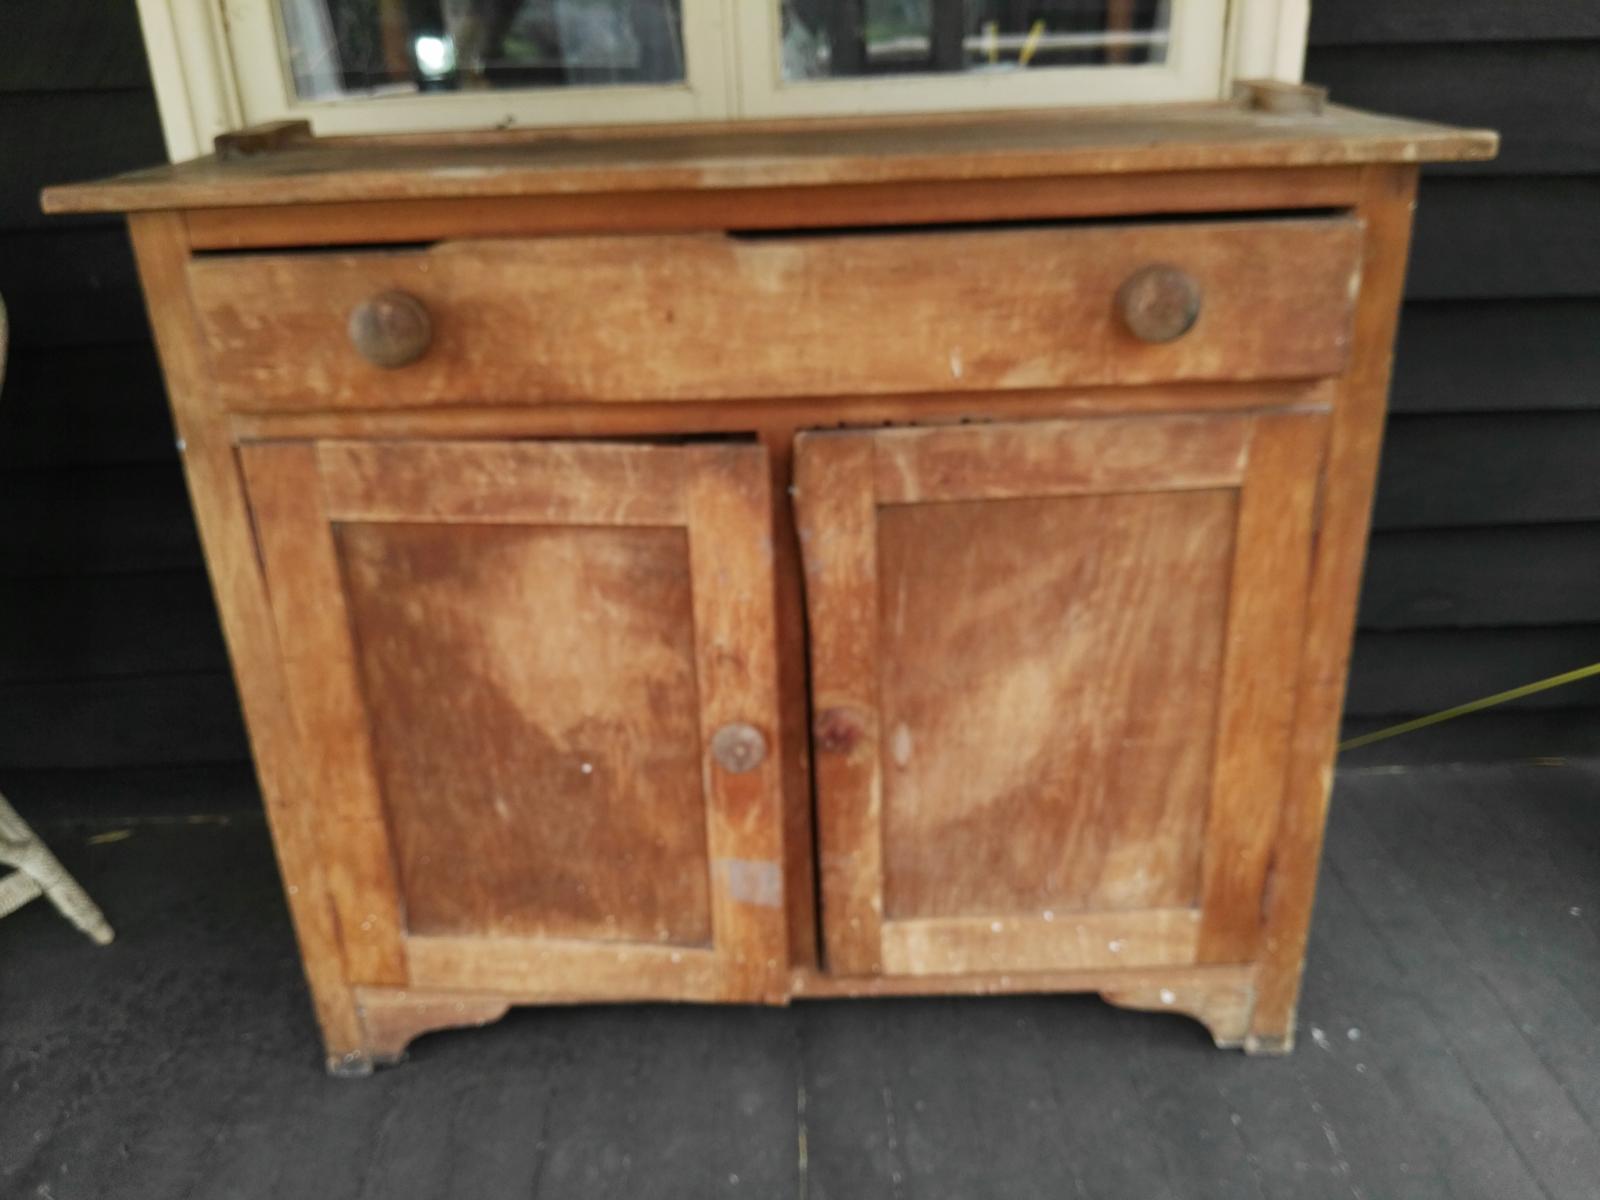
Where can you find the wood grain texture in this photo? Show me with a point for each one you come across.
(391, 1018)
(666, 419)
(502, 483)
(1265, 623)
(811, 984)
(1052, 603)
(722, 317)
(728, 508)
(1048, 678)
(531, 696)
(575, 971)
(1150, 937)
(540, 687)
(1344, 510)
(322, 675)
(357, 222)
(834, 509)
(924, 466)
(1224, 1008)
(225, 525)
(782, 153)
(794, 705)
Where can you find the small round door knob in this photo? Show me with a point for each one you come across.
(738, 747)
(1159, 303)
(391, 329)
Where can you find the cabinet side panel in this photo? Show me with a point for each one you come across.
(1389, 199)
(224, 522)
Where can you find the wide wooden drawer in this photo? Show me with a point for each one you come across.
(739, 317)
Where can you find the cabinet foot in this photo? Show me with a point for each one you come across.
(1268, 1044)
(391, 1018)
(1223, 1008)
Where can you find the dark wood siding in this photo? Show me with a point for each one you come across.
(1484, 570)
(110, 655)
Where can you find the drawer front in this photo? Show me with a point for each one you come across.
(719, 317)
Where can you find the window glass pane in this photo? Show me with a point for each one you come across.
(833, 38)
(378, 47)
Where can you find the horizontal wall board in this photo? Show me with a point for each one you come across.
(71, 45)
(87, 406)
(1428, 670)
(1500, 469)
(1514, 576)
(141, 722)
(94, 520)
(1544, 99)
(1345, 22)
(50, 798)
(1501, 238)
(1497, 355)
(67, 137)
(95, 626)
(71, 287)
(1494, 735)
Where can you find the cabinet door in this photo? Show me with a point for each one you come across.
(535, 689)
(1053, 670)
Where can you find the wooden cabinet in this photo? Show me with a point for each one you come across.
(802, 561)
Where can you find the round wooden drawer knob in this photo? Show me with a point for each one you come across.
(1159, 304)
(391, 329)
(738, 747)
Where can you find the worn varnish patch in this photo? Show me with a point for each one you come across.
(1050, 669)
(534, 715)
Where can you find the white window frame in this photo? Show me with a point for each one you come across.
(218, 66)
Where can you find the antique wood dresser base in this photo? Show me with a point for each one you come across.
(825, 559)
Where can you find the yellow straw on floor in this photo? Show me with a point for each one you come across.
(1472, 706)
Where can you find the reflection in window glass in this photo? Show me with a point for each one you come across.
(834, 38)
(377, 47)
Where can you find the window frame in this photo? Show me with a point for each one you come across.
(1193, 71)
(217, 67)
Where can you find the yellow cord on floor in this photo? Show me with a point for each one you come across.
(1472, 706)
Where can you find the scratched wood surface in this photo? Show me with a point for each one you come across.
(1055, 664)
(714, 317)
(528, 788)
(919, 149)
(1049, 679)
(508, 664)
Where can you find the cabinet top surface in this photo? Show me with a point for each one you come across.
(1017, 145)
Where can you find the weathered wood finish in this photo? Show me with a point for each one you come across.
(1075, 704)
(528, 791)
(507, 663)
(730, 318)
(1076, 625)
(908, 151)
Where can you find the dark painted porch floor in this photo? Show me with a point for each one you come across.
(1450, 1047)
